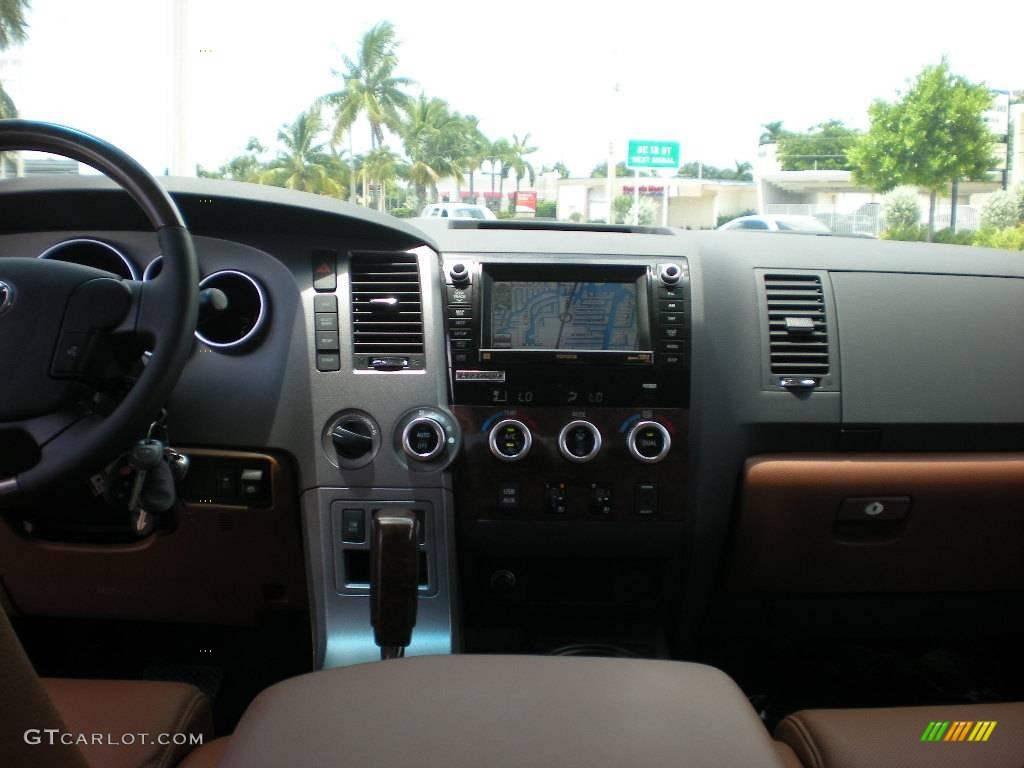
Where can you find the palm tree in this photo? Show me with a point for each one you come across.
(517, 161)
(7, 108)
(772, 133)
(371, 88)
(743, 169)
(304, 164)
(381, 166)
(13, 27)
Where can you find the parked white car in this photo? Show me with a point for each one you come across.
(779, 223)
(457, 211)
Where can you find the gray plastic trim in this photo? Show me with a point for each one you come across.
(50, 252)
(260, 318)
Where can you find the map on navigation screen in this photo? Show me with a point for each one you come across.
(564, 315)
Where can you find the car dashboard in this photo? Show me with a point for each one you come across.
(760, 418)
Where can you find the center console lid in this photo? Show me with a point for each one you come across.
(503, 712)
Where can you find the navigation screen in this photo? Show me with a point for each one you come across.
(564, 315)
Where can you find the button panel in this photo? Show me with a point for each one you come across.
(326, 336)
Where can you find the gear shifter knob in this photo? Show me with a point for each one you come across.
(394, 571)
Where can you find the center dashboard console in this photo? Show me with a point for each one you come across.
(570, 382)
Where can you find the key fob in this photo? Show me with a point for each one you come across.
(158, 492)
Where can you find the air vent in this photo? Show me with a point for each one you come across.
(387, 311)
(797, 330)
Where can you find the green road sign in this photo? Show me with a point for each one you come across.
(652, 154)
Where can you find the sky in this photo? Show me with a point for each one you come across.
(707, 75)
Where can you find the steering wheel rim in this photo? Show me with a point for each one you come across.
(164, 310)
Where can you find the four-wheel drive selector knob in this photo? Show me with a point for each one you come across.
(649, 442)
(510, 440)
(423, 439)
(579, 441)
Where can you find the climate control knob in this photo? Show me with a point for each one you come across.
(423, 439)
(649, 442)
(579, 441)
(510, 440)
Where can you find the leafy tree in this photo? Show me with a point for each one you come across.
(371, 88)
(772, 133)
(13, 26)
(517, 162)
(560, 168)
(900, 208)
(13, 30)
(743, 171)
(935, 134)
(600, 171)
(244, 167)
(304, 164)
(380, 166)
(823, 147)
(440, 143)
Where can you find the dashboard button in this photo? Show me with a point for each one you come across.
(671, 292)
(555, 499)
(461, 333)
(461, 358)
(672, 318)
(423, 439)
(672, 305)
(326, 321)
(462, 345)
(649, 442)
(646, 499)
(672, 346)
(325, 270)
(671, 332)
(600, 500)
(579, 441)
(329, 361)
(458, 313)
(508, 497)
(463, 322)
(460, 295)
(353, 526)
(325, 303)
(510, 440)
(327, 341)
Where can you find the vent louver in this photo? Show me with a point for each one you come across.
(387, 309)
(797, 327)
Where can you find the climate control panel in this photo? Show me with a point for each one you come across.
(564, 464)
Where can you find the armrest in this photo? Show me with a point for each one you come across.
(503, 712)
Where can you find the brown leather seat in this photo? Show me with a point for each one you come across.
(120, 710)
(209, 755)
(895, 737)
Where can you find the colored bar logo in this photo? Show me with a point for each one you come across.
(959, 730)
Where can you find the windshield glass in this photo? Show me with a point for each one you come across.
(674, 114)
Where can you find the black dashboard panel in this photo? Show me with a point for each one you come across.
(921, 356)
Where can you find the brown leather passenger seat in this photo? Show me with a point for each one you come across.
(114, 708)
(898, 737)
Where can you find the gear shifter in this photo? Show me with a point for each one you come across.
(394, 571)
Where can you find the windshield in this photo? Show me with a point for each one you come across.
(670, 114)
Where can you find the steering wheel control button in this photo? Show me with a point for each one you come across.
(353, 526)
(872, 508)
(556, 498)
(646, 499)
(649, 442)
(510, 440)
(579, 441)
(423, 439)
(325, 270)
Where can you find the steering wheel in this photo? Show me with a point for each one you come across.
(56, 319)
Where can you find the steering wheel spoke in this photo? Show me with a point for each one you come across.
(62, 322)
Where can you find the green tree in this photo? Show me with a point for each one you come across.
(439, 143)
(304, 163)
(772, 133)
(371, 89)
(13, 30)
(381, 167)
(244, 167)
(823, 147)
(600, 171)
(743, 171)
(13, 25)
(517, 162)
(560, 168)
(934, 135)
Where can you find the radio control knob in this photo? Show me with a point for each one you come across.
(423, 439)
(579, 441)
(649, 442)
(510, 440)
(459, 273)
(669, 274)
